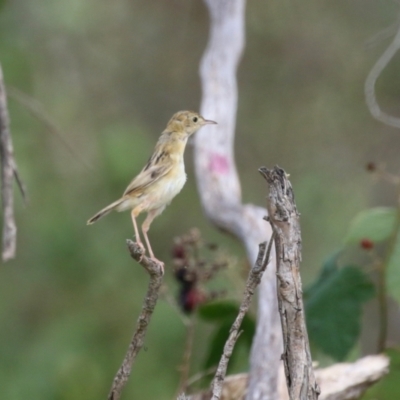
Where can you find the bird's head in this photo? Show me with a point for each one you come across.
(187, 122)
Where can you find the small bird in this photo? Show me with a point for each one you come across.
(162, 178)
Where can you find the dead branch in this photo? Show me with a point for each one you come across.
(9, 172)
(155, 271)
(370, 82)
(253, 281)
(219, 186)
(344, 381)
(284, 219)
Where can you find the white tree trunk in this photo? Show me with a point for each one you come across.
(219, 185)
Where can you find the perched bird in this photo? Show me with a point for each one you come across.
(162, 178)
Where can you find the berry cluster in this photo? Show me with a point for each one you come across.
(192, 269)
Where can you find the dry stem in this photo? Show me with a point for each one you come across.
(252, 282)
(187, 355)
(156, 277)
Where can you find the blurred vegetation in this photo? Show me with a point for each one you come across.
(111, 74)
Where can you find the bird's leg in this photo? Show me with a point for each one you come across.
(145, 228)
(135, 227)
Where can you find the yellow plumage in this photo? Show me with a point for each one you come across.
(162, 178)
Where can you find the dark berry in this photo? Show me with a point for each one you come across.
(367, 244)
(190, 299)
(178, 251)
(370, 167)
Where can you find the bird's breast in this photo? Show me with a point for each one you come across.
(169, 186)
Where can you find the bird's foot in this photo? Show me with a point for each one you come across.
(160, 263)
(140, 244)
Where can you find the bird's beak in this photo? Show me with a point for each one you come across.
(209, 122)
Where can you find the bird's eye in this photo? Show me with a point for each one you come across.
(195, 119)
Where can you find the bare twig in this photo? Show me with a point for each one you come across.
(38, 111)
(167, 296)
(187, 355)
(155, 271)
(370, 82)
(284, 219)
(383, 305)
(253, 281)
(219, 185)
(382, 267)
(200, 375)
(384, 34)
(9, 171)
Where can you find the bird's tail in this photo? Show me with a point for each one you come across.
(105, 211)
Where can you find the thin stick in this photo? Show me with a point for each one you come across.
(253, 281)
(167, 296)
(38, 111)
(369, 87)
(382, 276)
(187, 355)
(155, 271)
(200, 375)
(383, 307)
(8, 173)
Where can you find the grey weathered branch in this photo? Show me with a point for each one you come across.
(219, 186)
(155, 272)
(284, 219)
(253, 281)
(370, 82)
(9, 172)
(344, 381)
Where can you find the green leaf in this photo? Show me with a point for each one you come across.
(218, 341)
(375, 224)
(330, 266)
(223, 313)
(217, 344)
(333, 308)
(388, 387)
(218, 311)
(393, 272)
(248, 329)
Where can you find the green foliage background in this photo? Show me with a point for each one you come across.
(111, 74)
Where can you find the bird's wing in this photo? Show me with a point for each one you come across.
(147, 177)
